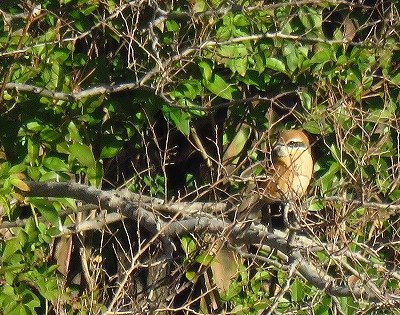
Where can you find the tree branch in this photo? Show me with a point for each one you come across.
(373, 205)
(138, 207)
(306, 268)
(110, 89)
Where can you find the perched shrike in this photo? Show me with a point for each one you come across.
(288, 178)
(287, 181)
(292, 168)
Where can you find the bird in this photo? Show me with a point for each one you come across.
(287, 179)
(292, 168)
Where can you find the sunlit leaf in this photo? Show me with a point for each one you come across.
(55, 164)
(275, 64)
(47, 210)
(180, 118)
(206, 70)
(188, 245)
(83, 154)
(20, 184)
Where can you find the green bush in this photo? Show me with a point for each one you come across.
(176, 100)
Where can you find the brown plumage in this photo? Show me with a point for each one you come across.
(287, 179)
(292, 168)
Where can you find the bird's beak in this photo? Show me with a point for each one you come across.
(280, 150)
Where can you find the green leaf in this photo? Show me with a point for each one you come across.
(190, 275)
(348, 305)
(46, 284)
(95, 174)
(180, 118)
(235, 57)
(87, 11)
(83, 154)
(327, 179)
(62, 147)
(323, 307)
(30, 229)
(187, 90)
(215, 83)
(61, 54)
(206, 70)
(237, 144)
(172, 26)
(18, 309)
(34, 126)
(199, 6)
(91, 104)
(12, 246)
(292, 61)
(55, 164)
(204, 258)
(395, 195)
(19, 168)
(322, 56)
(32, 303)
(4, 169)
(396, 79)
(188, 245)
(20, 184)
(47, 210)
(112, 146)
(306, 99)
(312, 127)
(49, 135)
(275, 64)
(233, 291)
(240, 20)
(54, 75)
(49, 176)
(219, 87)
(316, 206)
(74, 133)
(310, 18)
(297, 289)
(7, 96)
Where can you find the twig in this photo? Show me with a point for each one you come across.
(292, 271)
(376, 205)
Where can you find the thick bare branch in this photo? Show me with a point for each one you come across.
(306, 268)
(137, 207)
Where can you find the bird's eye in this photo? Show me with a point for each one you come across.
(295, 144)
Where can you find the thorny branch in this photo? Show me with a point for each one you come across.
(197, 220)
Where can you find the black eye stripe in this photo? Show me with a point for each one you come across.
(295, 144)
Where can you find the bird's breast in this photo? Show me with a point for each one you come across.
(292, 177)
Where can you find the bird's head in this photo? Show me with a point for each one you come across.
(291, 145)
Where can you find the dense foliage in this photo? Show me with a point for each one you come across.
(176, 99)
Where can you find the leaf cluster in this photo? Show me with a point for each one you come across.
(178, 100)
